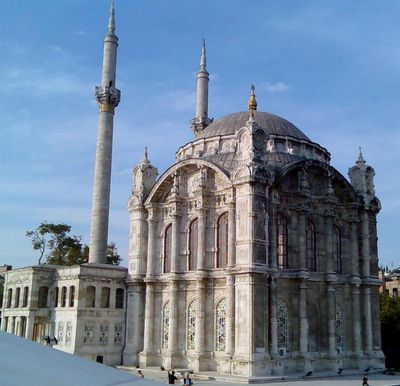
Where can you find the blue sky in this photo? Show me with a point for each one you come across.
(330, 67)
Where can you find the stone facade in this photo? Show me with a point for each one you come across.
(253, 256)
(83, 307)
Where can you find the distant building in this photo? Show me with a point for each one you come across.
(83, 307)
(3, 270)
(391, 282)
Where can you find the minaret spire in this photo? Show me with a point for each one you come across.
(201, 120)
(203, 60)
(111, 20)
(107, 97)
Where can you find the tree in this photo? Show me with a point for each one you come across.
(390, 324)
(112, 257)
(64, 249)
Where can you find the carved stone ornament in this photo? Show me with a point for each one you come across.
(107, 98)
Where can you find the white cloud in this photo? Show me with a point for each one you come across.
(275, 88)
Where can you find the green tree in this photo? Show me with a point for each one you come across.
(390, 324)
(64, 249)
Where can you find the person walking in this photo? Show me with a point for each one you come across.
(171, 377)
(365, 381)
(140, 374)
(187, 381)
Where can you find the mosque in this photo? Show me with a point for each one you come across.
(250, 256)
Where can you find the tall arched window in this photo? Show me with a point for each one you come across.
(283, 324)
(311, 258)
(42, 298)
(167, 248)
(222, 241)
(281, 241)
(119, 298)
(220, 336)
(105, 297)
(63, 296)
(17, 296)
(165, 325)
(337, 249)
(191, 325)
(193, 244)
(25, 297)
(71, 296)
(90, 296)
(56, 297)
(9, 297)
(339, 328)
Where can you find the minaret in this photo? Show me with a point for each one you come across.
(107, 97)
(201, 120)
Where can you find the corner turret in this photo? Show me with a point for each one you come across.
(144, 177)
(362, 178)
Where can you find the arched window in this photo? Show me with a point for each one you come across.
(191, 325)
(193, 244)
(63, 296)
(222, 241)
(282, 241)
(56, 297)
(337, 249)
(25, 297)
(42, 298)
(165, 325)
(311, 258)
(90, 296)
(167, 248)
(119, 298)
(105, 297)
(71, 296)
(220, 336)
(9, 297)
(339, 328)
(283, 324)
(17, 296)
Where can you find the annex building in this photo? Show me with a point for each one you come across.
(251, 255)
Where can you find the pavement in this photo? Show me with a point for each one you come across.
(213, 378)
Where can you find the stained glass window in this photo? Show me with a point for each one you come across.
(282, 241)
(311, 258)
(222, 235)
(283, 324)
(165, 325)
(337, 249)
(167, 248)
(220, 338)
(191, 326)
(339, 327)
(193, 244)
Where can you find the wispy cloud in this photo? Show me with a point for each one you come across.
(39, 82)
(275, 88)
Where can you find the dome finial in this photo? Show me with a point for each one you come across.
(252, 104)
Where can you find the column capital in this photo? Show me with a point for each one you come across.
(356, 281)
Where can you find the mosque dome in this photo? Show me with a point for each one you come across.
(272, 124)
